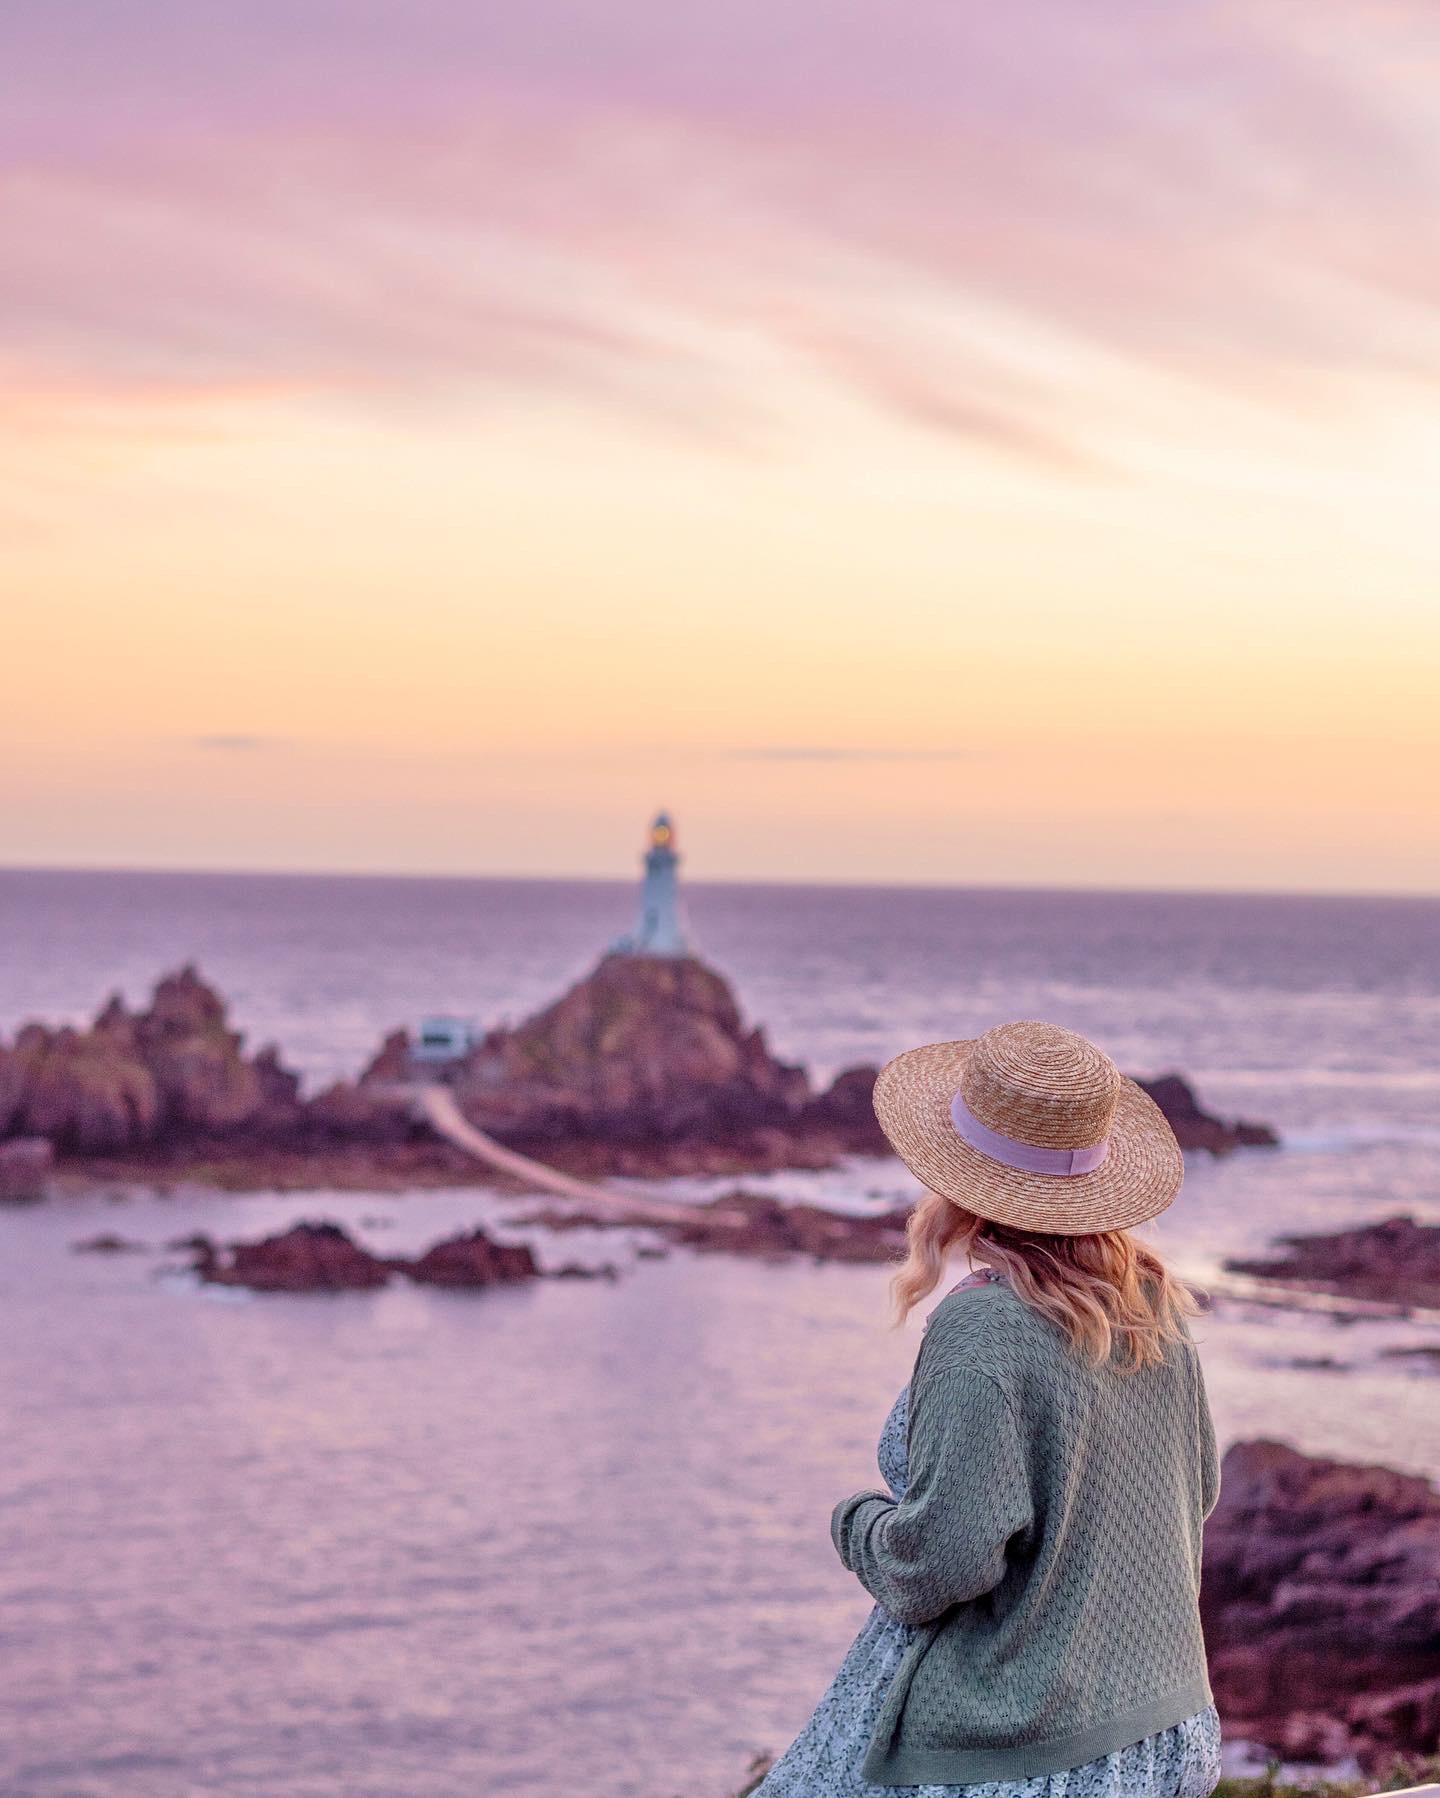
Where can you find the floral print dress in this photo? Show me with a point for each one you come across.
(824, 1760)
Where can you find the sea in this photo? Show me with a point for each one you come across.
(571, 1539)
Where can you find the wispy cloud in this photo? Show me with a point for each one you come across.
(453, 199)
(830, 752)
(236, 742)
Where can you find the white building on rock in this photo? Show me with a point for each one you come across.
(661, 929)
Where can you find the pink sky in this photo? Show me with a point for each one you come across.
(1115, 321)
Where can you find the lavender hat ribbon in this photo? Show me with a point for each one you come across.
(1026, 1157)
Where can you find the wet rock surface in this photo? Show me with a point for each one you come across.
(755, 1224)
(471, 1260)
(308, 1257)
(323, 1257)
(1321, 1604)
(1396, 1261)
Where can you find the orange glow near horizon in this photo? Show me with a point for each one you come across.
(361, 511)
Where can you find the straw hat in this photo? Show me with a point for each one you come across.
(1033, 1126)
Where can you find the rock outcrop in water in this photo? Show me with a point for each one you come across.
(471, 1260)
(650, 1053)
(645, 1067)
(308, 1257)
(649, 1057)
(755, 1224)
(321, 1257)
(174, 1071)
(1397, 1260)
(1321, 1604)
(26, 1164)
(1196, 1128)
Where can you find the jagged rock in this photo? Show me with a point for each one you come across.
(1397, 1260)
(473, 1260)
(26, 1163)
(80, 1090)
(391, 1061)
(649, 1048)
(207, 1085)
(1321, 1604)
(133, 1080)
(1197, 1129)
(351, 1112)
(308, 1257)
(322, 1257)
(847, 1108)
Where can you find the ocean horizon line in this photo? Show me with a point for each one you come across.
(694, 883)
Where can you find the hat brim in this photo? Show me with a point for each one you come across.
(1137, 1180)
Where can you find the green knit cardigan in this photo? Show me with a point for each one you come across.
(1047, 1549)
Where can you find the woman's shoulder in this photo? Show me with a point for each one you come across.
(980, 1278)
(970, 1312)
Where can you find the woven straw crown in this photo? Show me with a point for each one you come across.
(1039, 1089)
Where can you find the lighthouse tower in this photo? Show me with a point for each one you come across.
(661, 929)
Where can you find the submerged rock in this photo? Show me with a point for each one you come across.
(1397, 1260)
(1321, 1604)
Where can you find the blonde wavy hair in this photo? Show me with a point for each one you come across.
(1107, 1292)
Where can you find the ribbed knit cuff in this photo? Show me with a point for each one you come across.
(841, 1515)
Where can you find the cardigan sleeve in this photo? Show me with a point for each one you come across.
(968, 1494)
(1209, 1451)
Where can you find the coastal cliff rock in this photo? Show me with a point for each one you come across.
(1397, 1260)
(1321, 1604)
(136, 1079)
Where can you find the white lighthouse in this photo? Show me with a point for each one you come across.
(661, 929)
